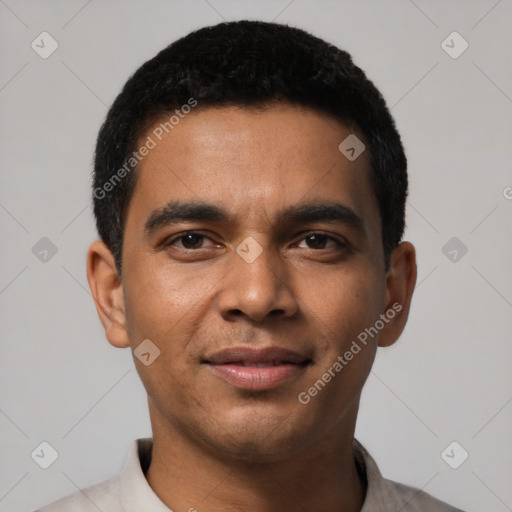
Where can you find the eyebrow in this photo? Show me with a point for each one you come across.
(175, 212)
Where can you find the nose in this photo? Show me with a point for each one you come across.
(257, 289)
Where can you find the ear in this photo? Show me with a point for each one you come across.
(107, 291)
(401, 280)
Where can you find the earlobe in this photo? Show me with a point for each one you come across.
(107, 291)
(401, 280)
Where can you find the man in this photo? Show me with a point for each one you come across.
(249, 192)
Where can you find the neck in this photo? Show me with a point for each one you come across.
(189, 477)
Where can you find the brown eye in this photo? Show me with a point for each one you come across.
(319, 241)
(190, 241)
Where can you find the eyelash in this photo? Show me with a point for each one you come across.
(340, 245)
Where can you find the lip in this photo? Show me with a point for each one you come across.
(257, 369)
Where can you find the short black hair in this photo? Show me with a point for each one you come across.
(252, 64)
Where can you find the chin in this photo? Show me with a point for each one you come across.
(259, 451)
(261, 438)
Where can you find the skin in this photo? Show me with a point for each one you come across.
(217, 447)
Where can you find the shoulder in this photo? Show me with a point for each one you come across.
(102, 496)
(384, 495)
(416, 500)
(127, 487)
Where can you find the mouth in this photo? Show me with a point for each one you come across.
(257, 369)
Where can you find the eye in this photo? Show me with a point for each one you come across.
(190, 240)
(194, 240)
(319, 241)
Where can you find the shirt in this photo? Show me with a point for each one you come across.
(129, 491)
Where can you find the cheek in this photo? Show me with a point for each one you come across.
(342, 311)
(165, 310)
(167, 305)
(159, 298)
(342, 303)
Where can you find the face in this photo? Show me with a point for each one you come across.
(253, 260)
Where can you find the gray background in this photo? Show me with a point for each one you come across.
(447, 379)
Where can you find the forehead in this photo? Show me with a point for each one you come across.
(254, 162)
